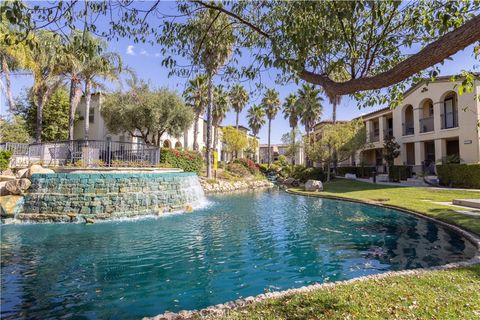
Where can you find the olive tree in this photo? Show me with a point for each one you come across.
(146, 113)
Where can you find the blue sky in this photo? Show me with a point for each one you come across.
(145, 59)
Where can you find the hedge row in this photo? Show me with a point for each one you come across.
(360, 172)
(189, 161)
(459, 175)
(397, 173)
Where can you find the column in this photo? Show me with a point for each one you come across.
(437, 119)
(403, 153)
(440, 149)
(419, 153)
(369, 127)
(416, 119)
(382, 125)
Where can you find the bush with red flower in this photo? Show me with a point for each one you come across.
(189, 161)
(249, 164)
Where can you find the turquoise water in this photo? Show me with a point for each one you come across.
(240, 245)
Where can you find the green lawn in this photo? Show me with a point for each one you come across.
(411, 198)
(448, 294)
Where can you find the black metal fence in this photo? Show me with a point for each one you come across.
(83, 153)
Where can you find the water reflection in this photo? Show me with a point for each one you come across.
(241, 245)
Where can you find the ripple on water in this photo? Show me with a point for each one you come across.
(232, 246)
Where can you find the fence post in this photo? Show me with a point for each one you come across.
(109, 153)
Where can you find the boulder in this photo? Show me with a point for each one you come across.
(38, 169)
(18, 186)
(3, 190)
(11, 205)
(314, 185)
(6, 178)
(351, 176)
(289, 181)
(22, 173)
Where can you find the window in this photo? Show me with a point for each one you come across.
(449, 114)
(91, 115)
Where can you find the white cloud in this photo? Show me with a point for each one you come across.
(157, 55)
(144, 53)
(130, 50)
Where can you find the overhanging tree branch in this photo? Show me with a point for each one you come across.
(437, 51)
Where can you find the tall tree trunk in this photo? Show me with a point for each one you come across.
(40, 103)
(334, 122)
(88, 99)
(255, 159)
(269, 151)
(209, 127)
(236, 126)
(293, 146)
(75, 96)
(195, 132)
(215, 137)
(8, 86)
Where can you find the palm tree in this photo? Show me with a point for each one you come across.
(239, 99)
(220, 108)
(46, 74)
(196, 97)
(311, 104)
(271, 105)
(73, 64)
(256, 120)
(212, 40)
(13, 56)
(292, 111)
(98, 63)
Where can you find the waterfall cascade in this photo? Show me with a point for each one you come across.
(111, 195)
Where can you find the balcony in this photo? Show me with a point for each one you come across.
(388, 133)
(449, 120)
(426, 124)
(374, 136)
(408, 128)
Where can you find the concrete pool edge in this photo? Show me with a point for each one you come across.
(222, 309)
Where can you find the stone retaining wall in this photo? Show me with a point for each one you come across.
(223, 186)
(74, 196)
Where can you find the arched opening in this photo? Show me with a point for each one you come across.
(449, 111)
(178, 145)
(167, 144)
(408, 128)
(426, 120)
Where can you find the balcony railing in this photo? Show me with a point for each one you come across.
(374, 136)
(408, 128)
(388, 133)
(426, 124)
(449, 120)
(90, 152)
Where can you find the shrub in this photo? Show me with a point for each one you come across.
(310, 174)
(360, 172)
(397, 173)
(238, 169)
(189, 161)
(263, 167)
(5, 156)
(247, 163)
(454, 158)
(459, 175)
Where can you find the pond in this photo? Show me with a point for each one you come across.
(239, 245)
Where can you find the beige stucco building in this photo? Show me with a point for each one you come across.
(432, 122)
(277, 150)
(99, 131)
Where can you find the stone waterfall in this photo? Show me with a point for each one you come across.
(71, 197)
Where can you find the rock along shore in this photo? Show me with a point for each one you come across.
(224, 186)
